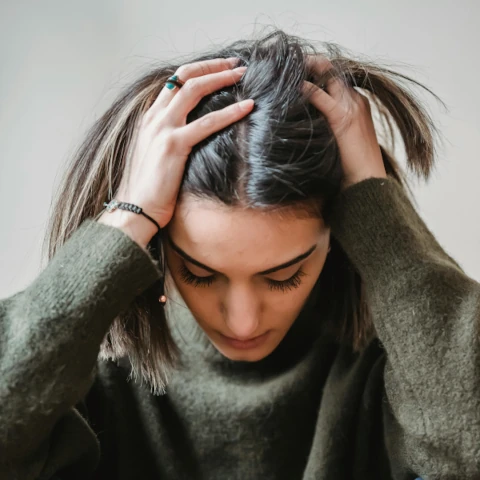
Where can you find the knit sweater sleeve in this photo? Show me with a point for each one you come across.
(50, 336)
(426, 313)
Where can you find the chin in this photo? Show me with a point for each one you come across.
(243, 356)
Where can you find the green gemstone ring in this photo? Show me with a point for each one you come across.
(173, 82)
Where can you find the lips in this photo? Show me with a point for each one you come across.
(244, 340)
(246, 344)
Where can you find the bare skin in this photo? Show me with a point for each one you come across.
(237, 301)
(349, 115)
(164, 142)
(232, 296)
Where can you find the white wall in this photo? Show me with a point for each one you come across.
(63, 62)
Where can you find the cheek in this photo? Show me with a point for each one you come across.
(199, 300)
(278, 309)
(284, 308)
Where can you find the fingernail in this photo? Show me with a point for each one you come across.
(233, 61)
(246, 104)
(239, 69)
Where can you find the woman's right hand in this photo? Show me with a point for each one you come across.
(164, 141)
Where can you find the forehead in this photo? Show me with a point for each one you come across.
(221, 236)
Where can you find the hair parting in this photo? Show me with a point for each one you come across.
(283, 155)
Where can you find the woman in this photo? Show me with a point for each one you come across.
(311, 327)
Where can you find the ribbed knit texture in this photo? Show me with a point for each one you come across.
(408, 406)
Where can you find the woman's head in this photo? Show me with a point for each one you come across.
(244, 272)
(254, 196)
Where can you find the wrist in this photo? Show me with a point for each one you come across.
(136, 226)
(350, 181)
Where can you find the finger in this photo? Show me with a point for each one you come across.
(195, 89)
(318, 62)
(323, 66)
(192, 70)
(319, 98)
(202, 128)
(337, 88)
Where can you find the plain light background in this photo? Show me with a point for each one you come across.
(62, 64)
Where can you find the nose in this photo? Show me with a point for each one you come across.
(241, 311)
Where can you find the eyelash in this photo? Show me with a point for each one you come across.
(285, 285)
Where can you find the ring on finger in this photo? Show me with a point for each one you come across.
(173, 82)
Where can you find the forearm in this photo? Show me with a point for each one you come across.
(139, 228)
(426, 312)
(52, 331)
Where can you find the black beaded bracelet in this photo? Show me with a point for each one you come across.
(114, 204)
(159, 286)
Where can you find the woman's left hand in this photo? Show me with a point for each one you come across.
(349, 115)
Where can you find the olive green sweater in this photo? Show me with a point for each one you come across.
(408, 406)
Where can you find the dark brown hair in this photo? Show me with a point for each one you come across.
(282, 155)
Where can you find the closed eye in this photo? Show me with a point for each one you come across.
(279, 285)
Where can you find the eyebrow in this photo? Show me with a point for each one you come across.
(291, 262)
